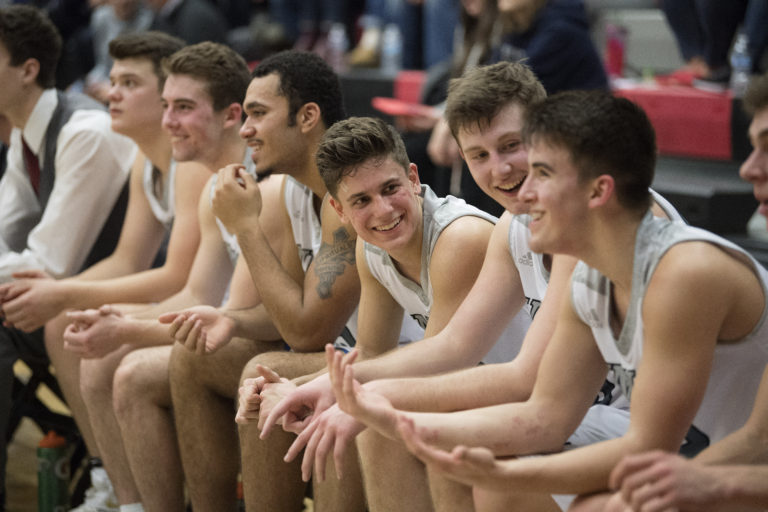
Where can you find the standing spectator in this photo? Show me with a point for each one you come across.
(194, 21)
(704, 30)
(109, 20)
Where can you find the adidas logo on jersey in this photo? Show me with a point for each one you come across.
(526, 259)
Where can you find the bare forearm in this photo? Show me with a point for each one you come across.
(741, 447)
(578, 471)
(743, 487)
(253, 323)
(107, 268)
(509, 429)
(429, 356)
(149, 286)
(281, 296)
(143, 332)
(479, 386)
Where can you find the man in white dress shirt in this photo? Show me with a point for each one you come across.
(66, 170)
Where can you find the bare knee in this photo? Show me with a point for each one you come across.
(183, 364)
(96, 379)
(130, 385)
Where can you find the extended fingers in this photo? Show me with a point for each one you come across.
(300, 442)
(309, 454)
(268, 374)
(167, 318)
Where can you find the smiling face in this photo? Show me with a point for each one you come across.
(188, 117)
(266, 130)
(134, 98)
(755, 168)
(496, 157)
(382, 203)
(557, 200)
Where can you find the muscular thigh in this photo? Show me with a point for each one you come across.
(286, 364)
(221, 370)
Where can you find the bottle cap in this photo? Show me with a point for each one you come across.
(52, 440)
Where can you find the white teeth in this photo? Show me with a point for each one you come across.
(512, 186)
(388, 226)
(535, 215)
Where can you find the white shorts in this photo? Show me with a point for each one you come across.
(601, 423)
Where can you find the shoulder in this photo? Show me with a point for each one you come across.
(461, 246)
(466, 230)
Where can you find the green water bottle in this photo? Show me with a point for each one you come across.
(52, 474)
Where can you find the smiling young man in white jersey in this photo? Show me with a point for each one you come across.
(416, 253)
(309, 291)
(484, 110)
(125, 349)
(689, 344)
(732, 473)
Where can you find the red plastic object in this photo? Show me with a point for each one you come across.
(396, 107)
(688, 122)
(408, 85)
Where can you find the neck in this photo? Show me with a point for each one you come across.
(611, 248)
(19, 113)
(408, 258)
(229, 150)
(305, 172)
(157, 147)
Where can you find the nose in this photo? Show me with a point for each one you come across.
(113, 93)
(755, 168)
(169, 119)
(505, 163)
(381, 205)
(247, 129)
(527, 191)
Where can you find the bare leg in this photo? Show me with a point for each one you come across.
(597, 503)
(203, 389)
(341, 495)
(268, 482)
(448, 495)
(67, 367)
(490, 501)
(142, 399)
(393, 478)
(96, 376)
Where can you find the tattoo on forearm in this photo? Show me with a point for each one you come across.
(330, 261)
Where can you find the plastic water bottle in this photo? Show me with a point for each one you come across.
(616, 44)
(391, 49)
(338, 45)
(741, 66)
(52, 474)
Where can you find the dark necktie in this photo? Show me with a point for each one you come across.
(33, 166)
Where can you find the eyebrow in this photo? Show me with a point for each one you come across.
(251, 105)
(365, 193)
(123, 75)
(542, 165)
(498, 139)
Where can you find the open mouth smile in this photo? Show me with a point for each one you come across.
(389, 227)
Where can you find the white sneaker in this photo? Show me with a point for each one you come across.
(100, 497)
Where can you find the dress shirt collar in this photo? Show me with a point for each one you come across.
(37, 124)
